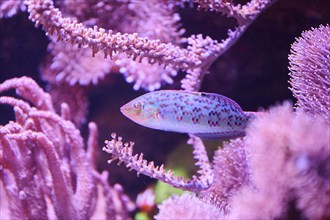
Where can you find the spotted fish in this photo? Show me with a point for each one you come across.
(206, 115)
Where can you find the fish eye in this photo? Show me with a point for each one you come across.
(137, 105)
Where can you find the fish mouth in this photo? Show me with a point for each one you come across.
(125, 109)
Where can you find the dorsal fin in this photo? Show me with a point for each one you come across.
(219, 98)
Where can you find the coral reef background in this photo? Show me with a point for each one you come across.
(254, 72)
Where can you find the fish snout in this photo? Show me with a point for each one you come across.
(126, 109)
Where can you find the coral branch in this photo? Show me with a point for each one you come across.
(118, 203)
(244, 14)
(43, 12)
(62, 198)
(205, 170)
(196, 59)
(29, 90)
(92, 142)
(124, 153)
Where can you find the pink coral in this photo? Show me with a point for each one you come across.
(123, 152)
(289, 162)
(231, 172)
(46, 172)
(187, 207)
(75, 65)
(310, 71)
(148, 30)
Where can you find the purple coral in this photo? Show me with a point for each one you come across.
(288, 165)
(310, 71)
(123, 152)
(45, 170)
(148, 33)
(187, 207)
(231, 172)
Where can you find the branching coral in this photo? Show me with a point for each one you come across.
(45, 168)
(153, 20)
(158, 43)
(124, 153)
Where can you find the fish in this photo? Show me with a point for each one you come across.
(206, 115)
